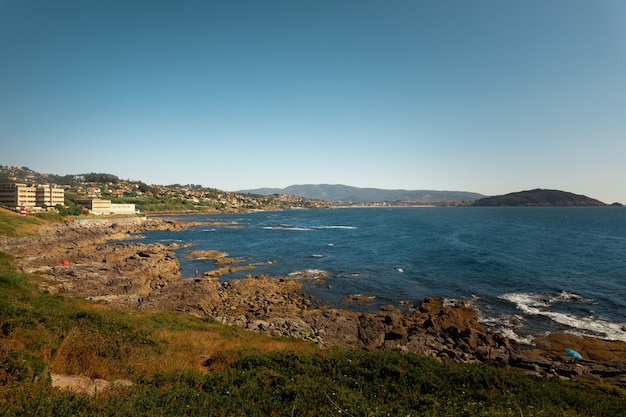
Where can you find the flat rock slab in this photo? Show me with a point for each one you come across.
(83, 385)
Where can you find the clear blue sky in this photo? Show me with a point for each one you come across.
(485, 96)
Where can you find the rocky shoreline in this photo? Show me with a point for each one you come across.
(88, 260)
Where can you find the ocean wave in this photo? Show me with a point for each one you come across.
(522, 340)
(508, 325)
(538, 304)
(569, 296)
(283, 226)
(334, 227)
(302, 229)
(309, 273)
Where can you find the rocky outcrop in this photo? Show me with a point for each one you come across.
(603, 360)
(437, 329)
(251, 297)
(124, 274)
(84, 263)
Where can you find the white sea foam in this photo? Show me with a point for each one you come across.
(523, 340)
(570, 296)
(309, 273)
(305, 228)
(287, 228)
(540, 303)
(334, 227)
(508, 325)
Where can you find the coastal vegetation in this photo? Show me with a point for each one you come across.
(179, 364)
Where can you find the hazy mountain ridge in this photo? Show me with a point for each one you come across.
(539, 197)
(346, 193)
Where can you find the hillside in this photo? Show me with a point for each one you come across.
(539, 198)
(151, 198)
(345, 193)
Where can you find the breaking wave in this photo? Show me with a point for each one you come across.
(334, 227)
(309, 273)
(287, 227)
(542, 304)
(304, 228)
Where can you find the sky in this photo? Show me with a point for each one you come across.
(488, 96)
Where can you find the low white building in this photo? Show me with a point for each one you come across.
(98, 206)
(123, 209)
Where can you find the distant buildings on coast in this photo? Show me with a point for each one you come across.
(39, 197)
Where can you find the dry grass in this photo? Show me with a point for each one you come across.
(14, 225)
(205, 350)
(163, 342)
(80, 353)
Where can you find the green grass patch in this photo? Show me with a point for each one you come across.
(12, 224)
(337, 382)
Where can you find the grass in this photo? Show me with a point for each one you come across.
(13, 225)
(189, 366)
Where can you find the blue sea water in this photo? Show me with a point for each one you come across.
(529, 271)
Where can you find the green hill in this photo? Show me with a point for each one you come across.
(539, 198)
(346, 193)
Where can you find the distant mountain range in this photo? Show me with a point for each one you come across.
(345, 193)
(539, 197)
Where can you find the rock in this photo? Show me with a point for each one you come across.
(394, 327)
(359, 298)
(335, 328)
(371, 332)
(116, 273)
(85, 385)
(590, 348)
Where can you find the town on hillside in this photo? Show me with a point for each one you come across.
(23, 189)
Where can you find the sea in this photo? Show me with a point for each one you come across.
(529, 271)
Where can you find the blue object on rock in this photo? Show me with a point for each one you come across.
(573, 353)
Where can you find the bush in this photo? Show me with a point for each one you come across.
(20, 365)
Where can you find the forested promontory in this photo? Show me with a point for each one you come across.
(539, 198)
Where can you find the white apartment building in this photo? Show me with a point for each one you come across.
(16, 195)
